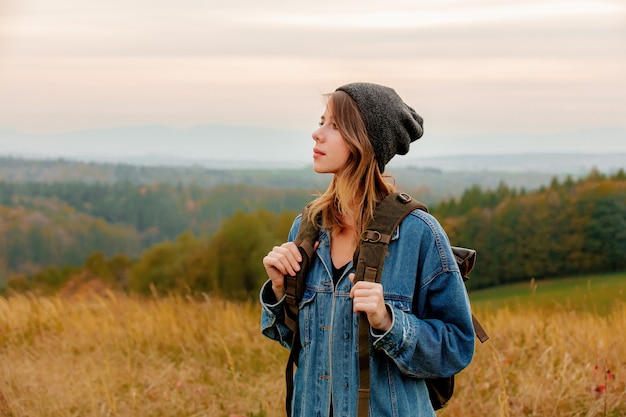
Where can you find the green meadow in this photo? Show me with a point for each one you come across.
(589, 293)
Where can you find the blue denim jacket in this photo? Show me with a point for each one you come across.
(431, 335)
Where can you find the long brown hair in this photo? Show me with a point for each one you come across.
(359, 185)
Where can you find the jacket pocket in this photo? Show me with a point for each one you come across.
(306, 317)
(400, 303)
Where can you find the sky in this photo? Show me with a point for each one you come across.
(501, 76)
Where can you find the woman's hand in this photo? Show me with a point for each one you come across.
(280, 261)
(367, 297)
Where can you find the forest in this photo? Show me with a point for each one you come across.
(70, 235)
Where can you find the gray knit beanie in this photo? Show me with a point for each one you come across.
(391, 125)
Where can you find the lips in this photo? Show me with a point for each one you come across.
(317, 153)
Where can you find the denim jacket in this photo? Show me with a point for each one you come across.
(431, 334)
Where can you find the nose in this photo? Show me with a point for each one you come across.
(316, 134)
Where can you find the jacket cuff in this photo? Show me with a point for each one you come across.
(269, 302)
(392, 341)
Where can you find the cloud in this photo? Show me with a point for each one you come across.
(347, 28)
(466, 14)
(469, 64)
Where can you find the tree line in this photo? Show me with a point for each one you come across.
(62, 223)
(568, 227)
(432, 184)
(227, 263)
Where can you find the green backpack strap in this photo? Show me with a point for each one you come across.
(294, 291)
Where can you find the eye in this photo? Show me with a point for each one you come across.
(320, 124)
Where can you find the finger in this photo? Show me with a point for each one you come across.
(362, 288)
(351, 276)
(288, 250)
(271, 263)
(278, 260)
(286, 265)
(286, 258)
(367, 293)
(364, 306)
(294, 251)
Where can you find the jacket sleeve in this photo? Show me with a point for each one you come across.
(273, 317)
(435, 338)
(272, 310)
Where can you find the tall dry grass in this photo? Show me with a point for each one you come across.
(173, 356)
(546, 362)
(117, 356)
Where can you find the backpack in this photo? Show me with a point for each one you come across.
(369, 259)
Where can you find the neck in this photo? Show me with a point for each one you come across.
(347, 231)
(347, 222)
(344, 242)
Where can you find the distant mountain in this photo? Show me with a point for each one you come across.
(217, 146)
(555, 163)
(567, 152)
(228, 147)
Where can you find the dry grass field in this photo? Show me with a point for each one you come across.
(113, 355)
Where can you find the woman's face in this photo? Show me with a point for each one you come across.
(331, 151)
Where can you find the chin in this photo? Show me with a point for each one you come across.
(321, 169)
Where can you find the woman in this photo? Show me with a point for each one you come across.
(419, 328)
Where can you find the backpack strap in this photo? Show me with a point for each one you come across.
(369, 260)
(294, 291)
(370, 257)
(294, 286)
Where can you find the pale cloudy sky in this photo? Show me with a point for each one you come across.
(472, 68)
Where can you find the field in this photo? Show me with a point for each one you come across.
(557, 349)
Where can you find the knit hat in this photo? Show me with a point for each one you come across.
(391, 125)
